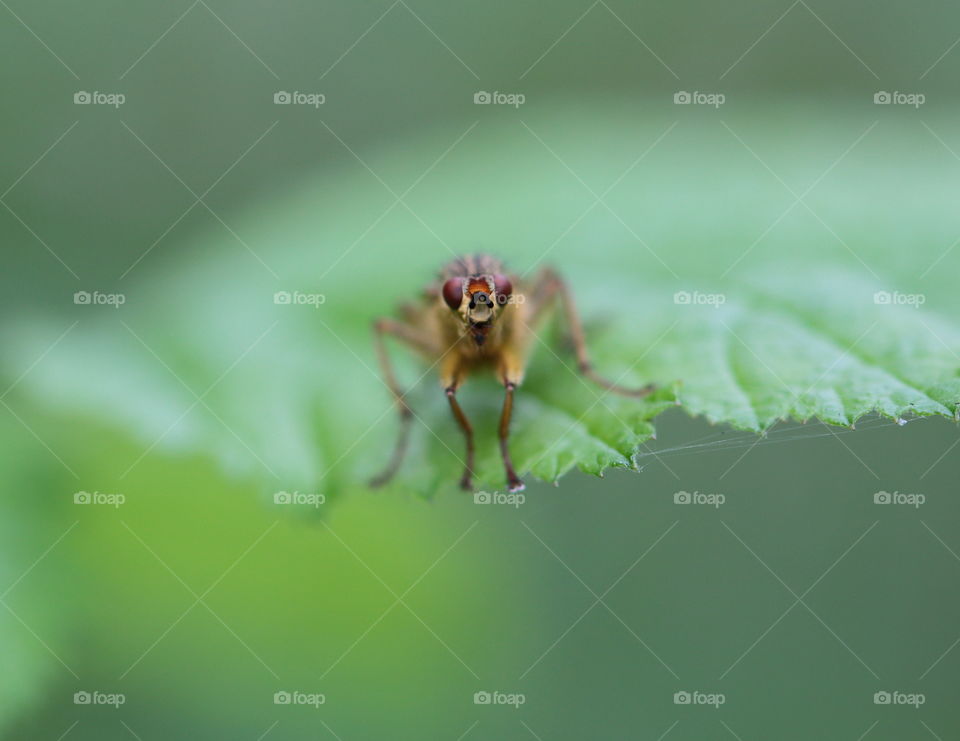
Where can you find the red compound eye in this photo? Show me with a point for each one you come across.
(503, 287)
(453, 292)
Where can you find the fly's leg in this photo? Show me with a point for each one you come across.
(466, 481)
(452, 374)
(510, 371)
(513, 481)
(414, 338)
(550, 285)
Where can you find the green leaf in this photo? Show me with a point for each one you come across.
(32, 636)
(782, 320)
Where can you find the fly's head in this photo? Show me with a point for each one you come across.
(478, 301)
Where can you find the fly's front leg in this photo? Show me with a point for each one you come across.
(412, 337)
(514, 483)
(451, 376)
(511, 372)
(549, 285)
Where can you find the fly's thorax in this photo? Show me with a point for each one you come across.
(476, 264)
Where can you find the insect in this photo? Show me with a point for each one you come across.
(476, 316)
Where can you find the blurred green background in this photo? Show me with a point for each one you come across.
(198, 600)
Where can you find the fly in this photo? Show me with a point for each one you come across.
(477, 316)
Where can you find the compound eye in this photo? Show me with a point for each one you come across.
(453, 292)
(503, 287)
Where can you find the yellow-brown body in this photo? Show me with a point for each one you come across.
(507, 344)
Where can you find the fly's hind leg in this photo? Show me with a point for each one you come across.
(550, 285)
(412, 337)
